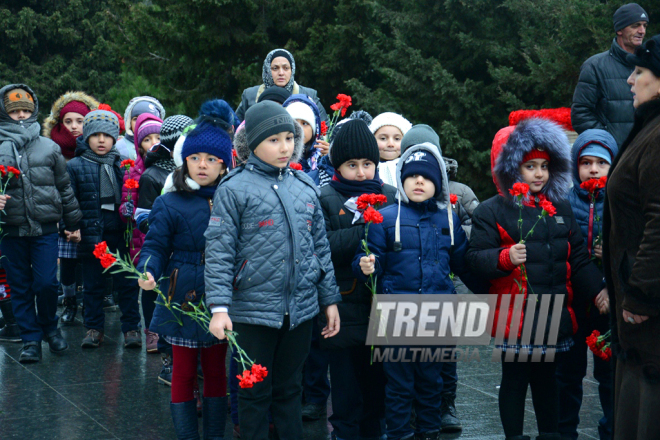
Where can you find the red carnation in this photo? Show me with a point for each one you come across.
(3, 170)
(295, 166)
(602, 182)
(107, 260)
(372, 216)
(379, 199)
(127, 163)
(453, 199)
(324, 128)
(519, 189)
(13, 171)
(259, 372)
(132, 184)
(247, 380)
(100, 249)
(345, 101)
(548, 207)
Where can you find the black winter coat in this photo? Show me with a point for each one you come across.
(602, 98)
(85, 182)
(345, 238)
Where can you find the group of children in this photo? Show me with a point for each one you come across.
(274, 250)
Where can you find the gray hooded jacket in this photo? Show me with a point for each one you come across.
(267, 254)
(42, 194)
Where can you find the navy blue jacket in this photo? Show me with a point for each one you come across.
(87, 189)
(174, 249)
(585, 212)
(426, 259)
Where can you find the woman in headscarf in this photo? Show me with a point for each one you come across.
(279, 70)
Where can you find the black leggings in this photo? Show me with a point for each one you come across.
(516, 376)
(68, 271)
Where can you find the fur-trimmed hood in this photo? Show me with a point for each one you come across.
(530, 134)
(243, 150)
(54, 118)
(129, 109)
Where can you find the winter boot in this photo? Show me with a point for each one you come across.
(70, 304)
(10, 332)
(449, 416)
(30, 353)
(214, 416)
(184, 416)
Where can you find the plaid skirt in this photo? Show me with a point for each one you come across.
(561, 347)
(67, 249)
(189, 343)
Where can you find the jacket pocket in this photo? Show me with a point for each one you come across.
(240, 275)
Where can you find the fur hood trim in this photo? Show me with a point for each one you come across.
(530, 134)
(54, 118)
(131, 104)
(243, 151)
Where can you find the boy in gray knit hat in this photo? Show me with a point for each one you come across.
(268, 270)
(97, 179)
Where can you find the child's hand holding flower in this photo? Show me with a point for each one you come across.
(518, 254)
(3, 201)
(368, 264)
(598, 251)
(149, 283)
(219, 323)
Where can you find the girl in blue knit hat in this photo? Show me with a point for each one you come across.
(174, 249)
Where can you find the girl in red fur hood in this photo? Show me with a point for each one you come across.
(550, 262)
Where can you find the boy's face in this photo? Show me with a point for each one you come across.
(133, 121)
(307, 129)
(74, 123)
(592, 167)
(357, 169)
(418, 188)
(100, 143)
(204, 168)
(535, 173)
(389, 142)
(20, 115)
(276, 150)
(149, 141)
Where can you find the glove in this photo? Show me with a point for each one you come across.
(127, 209)
(143, 225)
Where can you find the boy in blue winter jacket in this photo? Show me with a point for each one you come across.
(427, 245)
(592, 153)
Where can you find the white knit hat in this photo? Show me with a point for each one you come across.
(389, 118)
(300, 110)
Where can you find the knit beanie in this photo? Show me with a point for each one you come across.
(419, 134)
(172, 129)
(300, 110)
(390, 118)
(647, 55)
(536, 153)
(596, 149)
(207, 137)
(275, 94)
(18, 99)
(265, 119)
(145, 125)
(145, 107)
(74, 107)
(354, 141)
(425, 164)
(629, 14)
(100, 121)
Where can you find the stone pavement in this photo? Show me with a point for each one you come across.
(112, 393)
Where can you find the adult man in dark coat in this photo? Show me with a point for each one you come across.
(602, 99)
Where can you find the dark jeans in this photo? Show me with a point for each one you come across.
(316, 387)
(148, 302)
(571, 370)
(358, 394)
(283, 352)
(449, 377)
(408, 384)
(94, 289)
(31, 265)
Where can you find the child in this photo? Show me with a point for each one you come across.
(389, 129)
(304, 111)
(423, 224)
(63, 126)
(174, 248)
(358, 387)
(33, 206)
(147, 133)
(136, 107)
(268, 264)
(593, 152)
(96, 178)
(535, 152)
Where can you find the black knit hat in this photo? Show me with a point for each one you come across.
(425, 164)
(265, 119)
(172, 129)
(647, 55)
(354, 141)
(629, 14)
(275, 94)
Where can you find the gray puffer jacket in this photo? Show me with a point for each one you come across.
(42, 195)
(602, 98)
(267, 254)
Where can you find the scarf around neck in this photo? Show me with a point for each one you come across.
(353, 188)
(206, 191)
(20, 134)
(110, 189)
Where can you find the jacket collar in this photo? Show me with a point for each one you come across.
(255, 164)
(619, 54)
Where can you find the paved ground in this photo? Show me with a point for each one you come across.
(112, 393)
